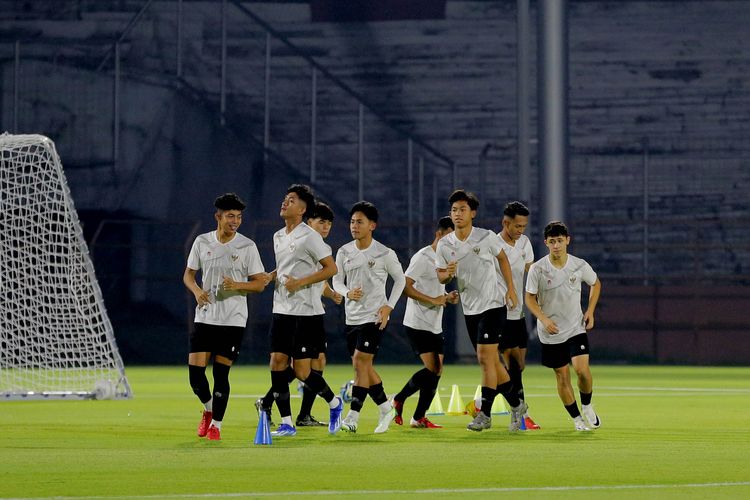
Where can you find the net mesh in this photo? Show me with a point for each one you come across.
(55, 336)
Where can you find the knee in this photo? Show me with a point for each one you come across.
(278, 362)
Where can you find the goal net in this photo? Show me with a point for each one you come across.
(56, 340)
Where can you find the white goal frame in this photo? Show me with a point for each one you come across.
(56, 339)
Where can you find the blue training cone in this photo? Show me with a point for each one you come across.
(523, 423)
(263, 434)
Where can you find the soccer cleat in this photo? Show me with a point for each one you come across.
(308, 421)
(284, 430)
(399, 406)
(349, 424)
(424, 423)
(590, 415)
(259, 408)
(480, 423)
(205, 423)
(385, 420)
(530, 424)
(471, 408)
(516, 414)
(580, 424)
(334, 422)
(213, 433)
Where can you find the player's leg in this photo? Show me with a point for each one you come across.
(580, 361)
(359, 393)
(282, 344)
(418, 378)
(197, 362)
(513, 345)
(433, 362)
(317, 364)
(557, 357)
(228, 341)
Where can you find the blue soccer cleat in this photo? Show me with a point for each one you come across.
(334, 422)
(285, 430)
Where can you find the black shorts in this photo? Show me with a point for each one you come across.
(296, 336)
(514, 334)
(486, 327)
(363, 338)
(319, 333)
(423, 341)
(219, 340)
(559, 355)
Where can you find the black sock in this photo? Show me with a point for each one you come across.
(317, 385)
(377, 393)
(290, 375)
(586, 397)
(573, 410)
(308, 397)
(280, 388)
(509, 394)
(359, 394)
(516, 380)
(199, 383)
(221, 390)
(268, 399)
(426, 395)
(414, 384)
(488, 397)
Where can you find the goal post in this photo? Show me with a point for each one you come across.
(56, 340)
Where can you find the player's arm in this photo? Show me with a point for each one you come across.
(188, 278)
(332, 294)
(533, 305)
(446, 274)
(396, 272)
(329, 269)
(510, 296)
(256, 283)
(415, 294)
(594, 292)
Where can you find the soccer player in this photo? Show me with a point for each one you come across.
(473, 256)
(423, 320)
(321, 220)
(515, 337)
(302, 260)
(364, 266)
(553, 295)
(226, 259)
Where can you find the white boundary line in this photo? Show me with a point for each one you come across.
(430, 491)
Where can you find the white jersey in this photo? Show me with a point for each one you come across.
(518, 255)
(418, 315)
(238, 259)
(477, 269)
(298, 254)
(558, 293)
(367, 269)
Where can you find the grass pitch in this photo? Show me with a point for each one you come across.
(667, 432)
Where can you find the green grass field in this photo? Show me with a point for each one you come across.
(667, 432)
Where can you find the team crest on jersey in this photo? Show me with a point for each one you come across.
(371, 263)
(235, 257)
(292, 246)
(572, 280)
(476, 250)
(208, 254)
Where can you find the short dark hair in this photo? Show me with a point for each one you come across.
(366, 208)
(555, 228)
(467, 196)
(445, 223)
(304, 193)
(322, 211)
(229, 201)
(515, 208)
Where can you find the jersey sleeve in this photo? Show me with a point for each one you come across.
(441, 262)
(339, 277)
(253, 264)
(532, 280)
(317, 248)
(396, 272)
(494, 243)
(587, 274)
(416, 267)
(194, 258)
(529, 252)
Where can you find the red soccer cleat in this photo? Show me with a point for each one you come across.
(530, 424)
(213, 434)
(399, 406)
(424, 423)
(205, 423)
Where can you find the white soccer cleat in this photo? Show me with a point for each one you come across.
(590, 415)
(516, 415)
(385, 420)
(349, 424)
(580, 424)
(481, 422)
